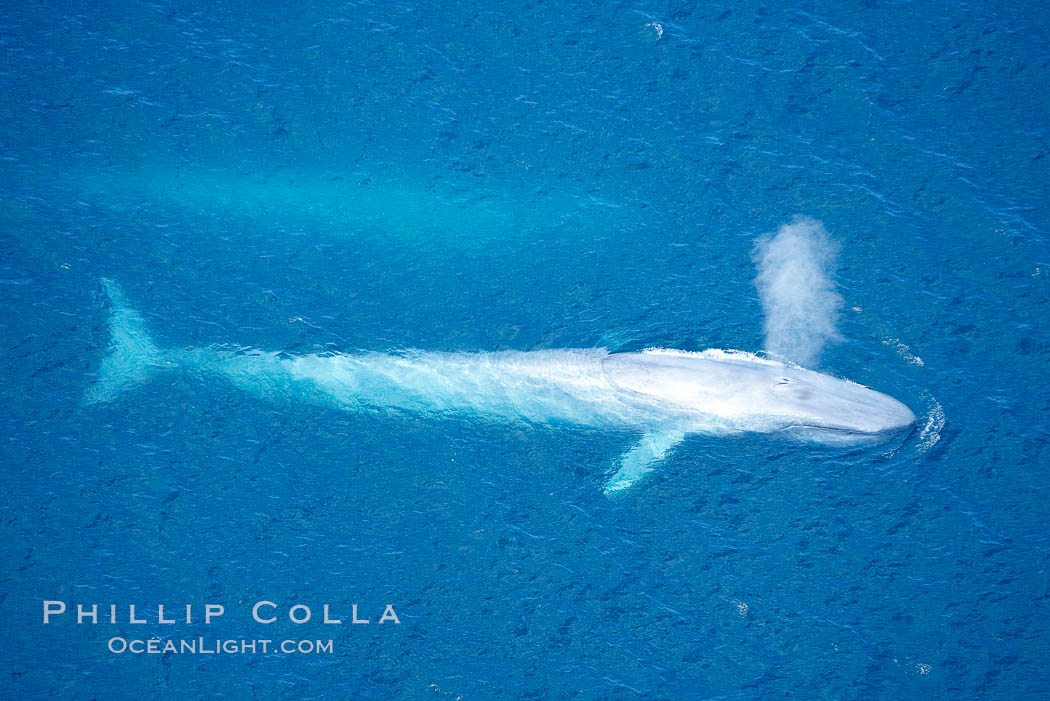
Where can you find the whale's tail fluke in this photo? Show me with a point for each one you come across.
(132, 357)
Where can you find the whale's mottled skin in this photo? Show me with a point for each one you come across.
(663, 394)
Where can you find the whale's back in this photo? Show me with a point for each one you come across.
(710, 387)
(546, 386)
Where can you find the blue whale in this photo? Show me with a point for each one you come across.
(664, 395)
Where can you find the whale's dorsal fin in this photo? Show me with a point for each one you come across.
(642, 458)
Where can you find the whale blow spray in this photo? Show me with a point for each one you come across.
(798, 296)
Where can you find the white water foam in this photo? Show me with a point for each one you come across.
(904, 351)
(930, 434)
(713, 354)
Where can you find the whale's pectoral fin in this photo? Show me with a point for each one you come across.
(642, 459)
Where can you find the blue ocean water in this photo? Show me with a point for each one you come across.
(341, 177)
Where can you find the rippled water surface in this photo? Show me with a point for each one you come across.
(349, 177)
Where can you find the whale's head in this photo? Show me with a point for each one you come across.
(732, 390)
(831, 410)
